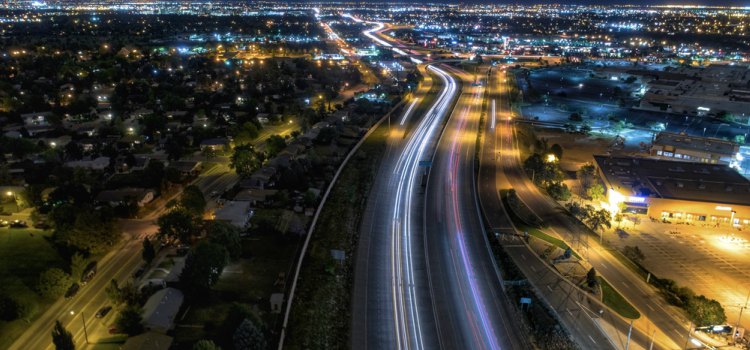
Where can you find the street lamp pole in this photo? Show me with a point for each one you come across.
(85, 331)
(742, 308)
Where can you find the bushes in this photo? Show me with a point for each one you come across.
(701, 310)
(53, 283)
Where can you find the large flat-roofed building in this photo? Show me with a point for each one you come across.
(677, 191)
(682, 147)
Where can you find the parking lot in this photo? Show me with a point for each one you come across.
(711, 261)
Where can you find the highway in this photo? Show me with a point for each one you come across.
(502, 158)
(471, 308)
(391, 307)
(119, 264)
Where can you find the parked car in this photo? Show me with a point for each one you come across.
(139, 272)
(18, 224)
(72, 291)
(88, 273)
(103, 311)
(42, 225)
(114, 330)
(4, 223)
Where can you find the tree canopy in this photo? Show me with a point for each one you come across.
(204, 266)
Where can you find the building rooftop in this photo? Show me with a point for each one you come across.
(160, 310)
(674, 180)
(708, 144)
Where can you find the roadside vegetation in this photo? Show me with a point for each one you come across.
(321, 311)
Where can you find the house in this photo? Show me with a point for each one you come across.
(236, 213)
(216, 144)
(99, 163)
(37, 118)
(261, 178)
(160, 310)
(187, 167)
(255, 196)
(148, 341)
(140, 196)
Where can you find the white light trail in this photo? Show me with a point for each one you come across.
(494, 116)
(408, 110)
(405, 305)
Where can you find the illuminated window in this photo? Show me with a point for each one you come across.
(658, 153)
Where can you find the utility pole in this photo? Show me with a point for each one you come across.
(630, 331)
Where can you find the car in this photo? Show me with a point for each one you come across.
(139, 272)
(4, 223)
(18, 224)
(103, 311)
(42, 225)
(72, 291)
(114, 330)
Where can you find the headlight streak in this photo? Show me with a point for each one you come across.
(408, 111)
(490, 340)
(405, 305)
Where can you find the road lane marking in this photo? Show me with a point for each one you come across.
(550, 288)
(592, 339)
(523, 256)
(650, 307)
(532, 268)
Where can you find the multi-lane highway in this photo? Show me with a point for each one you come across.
(425, 277)
(391, 307)
(472, 310)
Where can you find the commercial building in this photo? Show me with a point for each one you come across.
(682, 147)
(675, 191)
(716, 90)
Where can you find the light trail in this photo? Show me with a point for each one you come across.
(485, 334)
(408, 110)
(405, 305)
(494, 116)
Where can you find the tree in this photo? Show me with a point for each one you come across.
(586, 175)
(77, 266)
(705, 312)
(274, 145)
(62, 338)
(595, 192)
(113, 292)
(557, 150)
(245, 134)
(599, 219)
(225, 235)
(92, 231)
(192, 200)
(558, 191)
(591, 279)
(129, 321)
(585, 129)
(245, 160)
(248, 337)
(575, 117)
(9, 308)
(178, 224)
(53, 283)
(204, 266)
(148, 253)
(633, 253)
(204, 344)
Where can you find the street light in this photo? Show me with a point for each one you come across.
(85, 332)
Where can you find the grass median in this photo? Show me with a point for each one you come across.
(615, 301)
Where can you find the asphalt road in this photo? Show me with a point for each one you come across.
(472, 310)
(119, 264)
(391, 307)
(670, 328)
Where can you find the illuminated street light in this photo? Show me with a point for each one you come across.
(551, 158)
